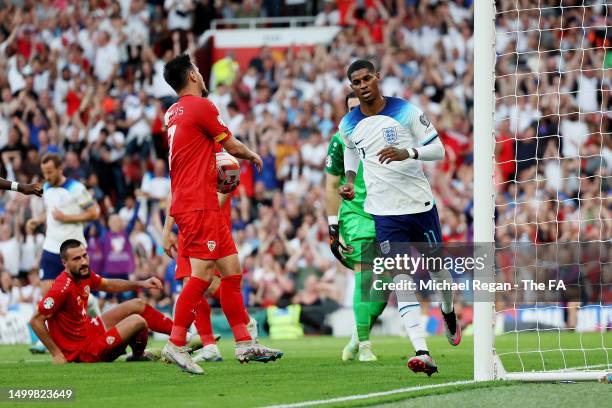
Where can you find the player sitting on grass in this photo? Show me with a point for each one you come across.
(62, 324)
(390, 137)
(68, 205)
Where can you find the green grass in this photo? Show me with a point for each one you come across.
(533, 396)
(310, 370)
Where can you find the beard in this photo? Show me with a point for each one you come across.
(82, 273)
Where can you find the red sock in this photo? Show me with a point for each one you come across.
(202, 322)
(156, 320)
(185, 306)
(233, 306)
(217, 297)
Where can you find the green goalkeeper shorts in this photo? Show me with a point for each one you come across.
(357, 231)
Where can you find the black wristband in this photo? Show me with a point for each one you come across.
(416, 153)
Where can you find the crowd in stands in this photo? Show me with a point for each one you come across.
(554, 146)
(85, 79)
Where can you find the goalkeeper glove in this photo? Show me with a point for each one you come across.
(336, 245)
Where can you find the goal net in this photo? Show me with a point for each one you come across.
(544, 106)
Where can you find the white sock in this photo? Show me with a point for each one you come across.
(354, 339)
(410, 313)
(447, 294)
(363, 344)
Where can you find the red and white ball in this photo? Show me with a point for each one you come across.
(228, 172)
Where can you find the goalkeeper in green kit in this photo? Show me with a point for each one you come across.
(349, 220)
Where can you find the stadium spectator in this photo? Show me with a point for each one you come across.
(7, 294)
(156, 184)
(329, 15)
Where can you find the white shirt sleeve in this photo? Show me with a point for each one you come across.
(431, 152)
(351, 156)
(84, 200)
(351, 160)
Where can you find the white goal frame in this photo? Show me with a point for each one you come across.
(487, 365)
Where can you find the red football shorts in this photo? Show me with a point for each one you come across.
(102, 345)
(203, 234)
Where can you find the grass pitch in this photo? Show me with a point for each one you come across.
(310, 370)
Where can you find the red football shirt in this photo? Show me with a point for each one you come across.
(194, 125)
(66, 305)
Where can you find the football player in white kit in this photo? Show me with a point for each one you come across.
(68, 205)
(392, 137)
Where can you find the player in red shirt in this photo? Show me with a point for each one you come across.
(202, 322)
(194, 125)
(72, 336)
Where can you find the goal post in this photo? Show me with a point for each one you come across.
(587, 28)
(484, 204)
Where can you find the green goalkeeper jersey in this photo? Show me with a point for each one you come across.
(335, 165)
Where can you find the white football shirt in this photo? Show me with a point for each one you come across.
(398, 187)
(71, 198)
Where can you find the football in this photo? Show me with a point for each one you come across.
(228, 172)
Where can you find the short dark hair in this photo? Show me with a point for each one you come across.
(69, 244)
(349, 96)
(359, 64)
(176, 71)
(54, 157)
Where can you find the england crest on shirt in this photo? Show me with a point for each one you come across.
(390, 135)
(385, 247)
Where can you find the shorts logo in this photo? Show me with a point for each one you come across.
(385, 247)
(48, 303)
(211, 245)
(110, 340)
(424, 120)
(390, 135)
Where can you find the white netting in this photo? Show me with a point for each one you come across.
(553, 161)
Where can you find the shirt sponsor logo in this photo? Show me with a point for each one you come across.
(211, 245)
(390, 135)
(48, 303)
